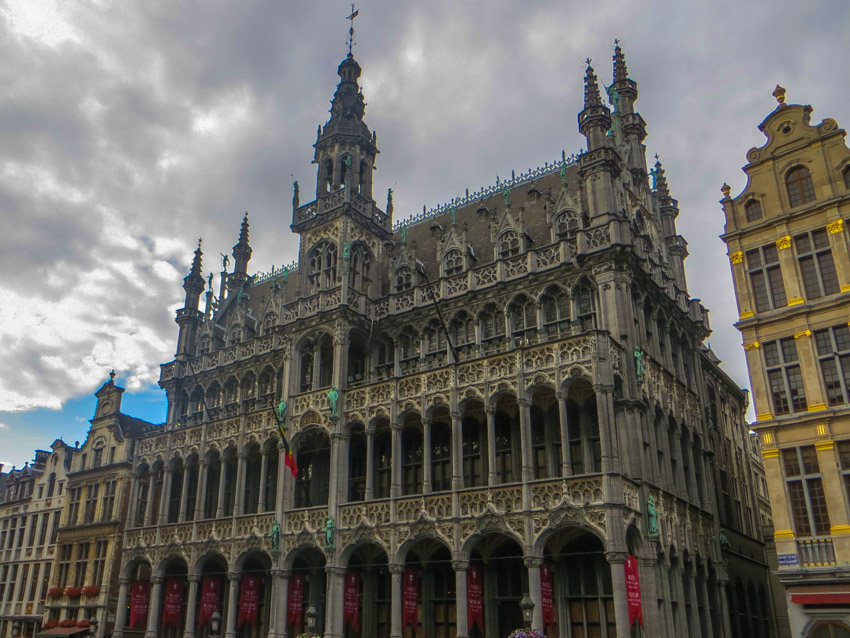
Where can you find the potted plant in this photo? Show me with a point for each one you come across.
(50, 624)
(54, 592)
(83, 623)
(72, 592)
(91, 590)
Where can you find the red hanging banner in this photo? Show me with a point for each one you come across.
(172, 608)
(546, 598)
(296, 599)
(633, 591)
(474, 606)
(249, 594)
(140, 595)
(351, 600)
(410, 591)
(210, 593)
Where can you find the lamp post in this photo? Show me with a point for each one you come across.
(215, 624)
(93, 626)
(527, 606)
(312, 615)
(16, 628)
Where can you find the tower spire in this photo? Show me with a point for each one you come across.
(659, 181)
(189, 317)
(354, 13)
(196, 262)
(591, 87)
(621, 72)
(241, 256)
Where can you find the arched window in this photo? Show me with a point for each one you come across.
(323, 264)
(585, 306)
(328, 176)
(356, 362)
(306, 376)
(441, 453)
(382, 464)
(846, 174)
(269, 322)
(452, 262)
(545, 434)
(435, 338)
(566, 224)
(585, 452)
(508, 245)
(363, 180)
(313, 461)
(462, 329)
(408, 344)
(344, 165)
(556, 309)
(359, 268)
(384, 357)
(231, 391)
(213, 480)
(229, 466)
(523, 314)
(506, 442)
(411, 456)
(492, 321)
(235, 335)
(51, 484)
(265, 383)
(248, 389)
(253, 472)
(753, 210)
(403, 279)
(801, 189)
(357, 464)
(326, 362)
(204, 344)
(473, 425)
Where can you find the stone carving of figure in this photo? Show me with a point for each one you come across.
(333, 400)
(296, 200)
(346, 251)
(563, 172)
(209, 281)
(652, 513)
(404, 235)
(640, 367)
(281, 413)
(506, 194)
(329, 533)
(225, 262)
(275, 536)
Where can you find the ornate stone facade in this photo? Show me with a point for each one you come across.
(503, 383)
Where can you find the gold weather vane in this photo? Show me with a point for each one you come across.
(354, 14)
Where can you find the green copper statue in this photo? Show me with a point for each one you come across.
(281, 412)
(652, 514)
(404, 235)
(275, 536)
(333, 400)
(453, 213)
(346, 251)
(563, 172)
(329, 533)
(640, 365)
(506, 194)
(653, 172)
(296, 200)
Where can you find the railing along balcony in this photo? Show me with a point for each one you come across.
(815, 552)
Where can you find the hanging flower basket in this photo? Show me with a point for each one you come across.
(83, 623)
(68, 622)
(526, 633)
(50, 624)
(91, 590)
(54, 592)
(72, 592)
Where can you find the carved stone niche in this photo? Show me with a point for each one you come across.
(566, 512)
(363, 533)
(491, 520)
(423, 526)
(210, 546)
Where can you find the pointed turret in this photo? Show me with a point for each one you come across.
(189, 318)
(624, 94)
(241, 256)
(595, 119)
(668, 207)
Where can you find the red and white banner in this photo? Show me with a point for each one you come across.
(140, 595)
(172, 607)
(351, 600)
(249, 594)
(410, 593)
(546, 598)
(474, 604)
(296, 599)
(210, 594)
(633, 591)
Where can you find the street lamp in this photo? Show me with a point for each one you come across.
(16, 628)
(527, 606)
(215, 624)
(312, 615)
(93, 626)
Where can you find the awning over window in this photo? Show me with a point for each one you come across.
(63, 631)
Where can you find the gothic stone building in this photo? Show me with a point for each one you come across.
(788, 245)
(510, 391)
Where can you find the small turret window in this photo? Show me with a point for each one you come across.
(359, 269)
(523, 315)
(566, 224)
(753, 210)
(328, 176)
(403, 279)
(453, 262)
(204, 345)
(323, 263)
(235, 336)
(801, 189)
(509, 245)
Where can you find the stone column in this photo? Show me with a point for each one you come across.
(264, 468)
(617, 561)
(222, 476)
(280, 596)
(165, 496)
(192, 605)
(815, 397)
(184, 495)
(532, 563)
(395, 489)
(149, 505)
(457, 452)
(840, 253)
(370, 463)
(745, 306)
(152, 630)
(706, 605)
(525, 439)
(121, 610)
(134, 495)
(232, 605)
(336, 477)
(461, 618)
(692, 596)
(723, 612)
(491, 445)
(694, 491)
(605, 418)
(239, 495)
(395, 610)
(426, 456)
(789, 271)
(333, 603)
(201, 494)
(566, 465)
(833, 486)
(282, 472)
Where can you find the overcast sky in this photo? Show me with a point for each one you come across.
(130, 129)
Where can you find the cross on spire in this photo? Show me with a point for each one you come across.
(354, 13)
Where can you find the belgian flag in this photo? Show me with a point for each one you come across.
(289, 457)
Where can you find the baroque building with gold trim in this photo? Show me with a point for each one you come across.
(787, 240)
(497, 404)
